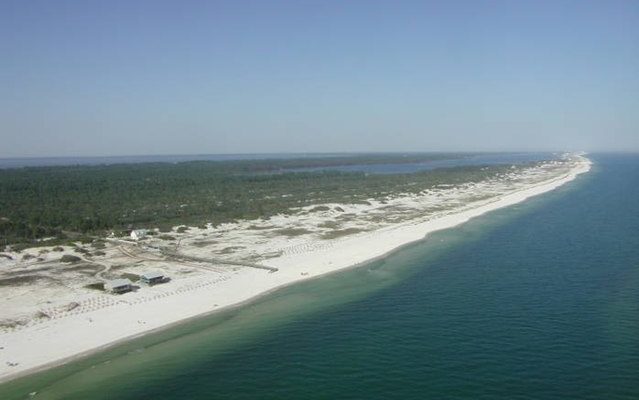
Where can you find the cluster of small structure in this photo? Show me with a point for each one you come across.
(123, 285)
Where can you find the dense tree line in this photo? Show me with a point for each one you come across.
(57, 201)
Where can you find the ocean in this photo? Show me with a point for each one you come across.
(535, 301)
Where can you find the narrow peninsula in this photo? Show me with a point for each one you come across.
(179, 241)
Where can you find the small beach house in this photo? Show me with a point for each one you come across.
(118, 286)
(152, 277)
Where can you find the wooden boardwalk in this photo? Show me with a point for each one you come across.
(184, 257)
(179, 256)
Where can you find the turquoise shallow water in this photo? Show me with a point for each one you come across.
(536, 301)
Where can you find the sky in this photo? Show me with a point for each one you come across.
(98, 78)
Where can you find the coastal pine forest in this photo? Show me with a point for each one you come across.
(71, 202)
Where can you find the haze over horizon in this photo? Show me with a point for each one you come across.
(235, 77)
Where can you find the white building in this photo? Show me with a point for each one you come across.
(138, 234)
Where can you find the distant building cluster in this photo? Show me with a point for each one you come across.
(123, 285)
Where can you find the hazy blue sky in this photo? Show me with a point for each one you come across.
(159, 77)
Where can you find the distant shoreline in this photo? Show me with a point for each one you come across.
(62, 161)
(75, 338)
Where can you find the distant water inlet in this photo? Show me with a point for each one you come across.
(535, 301)
(468, 160)
(440, 160)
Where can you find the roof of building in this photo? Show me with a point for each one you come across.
(140, 231)
(117, 283)
(152, 275)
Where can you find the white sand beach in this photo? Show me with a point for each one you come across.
(56, 319)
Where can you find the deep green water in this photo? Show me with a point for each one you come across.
(536, 301)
